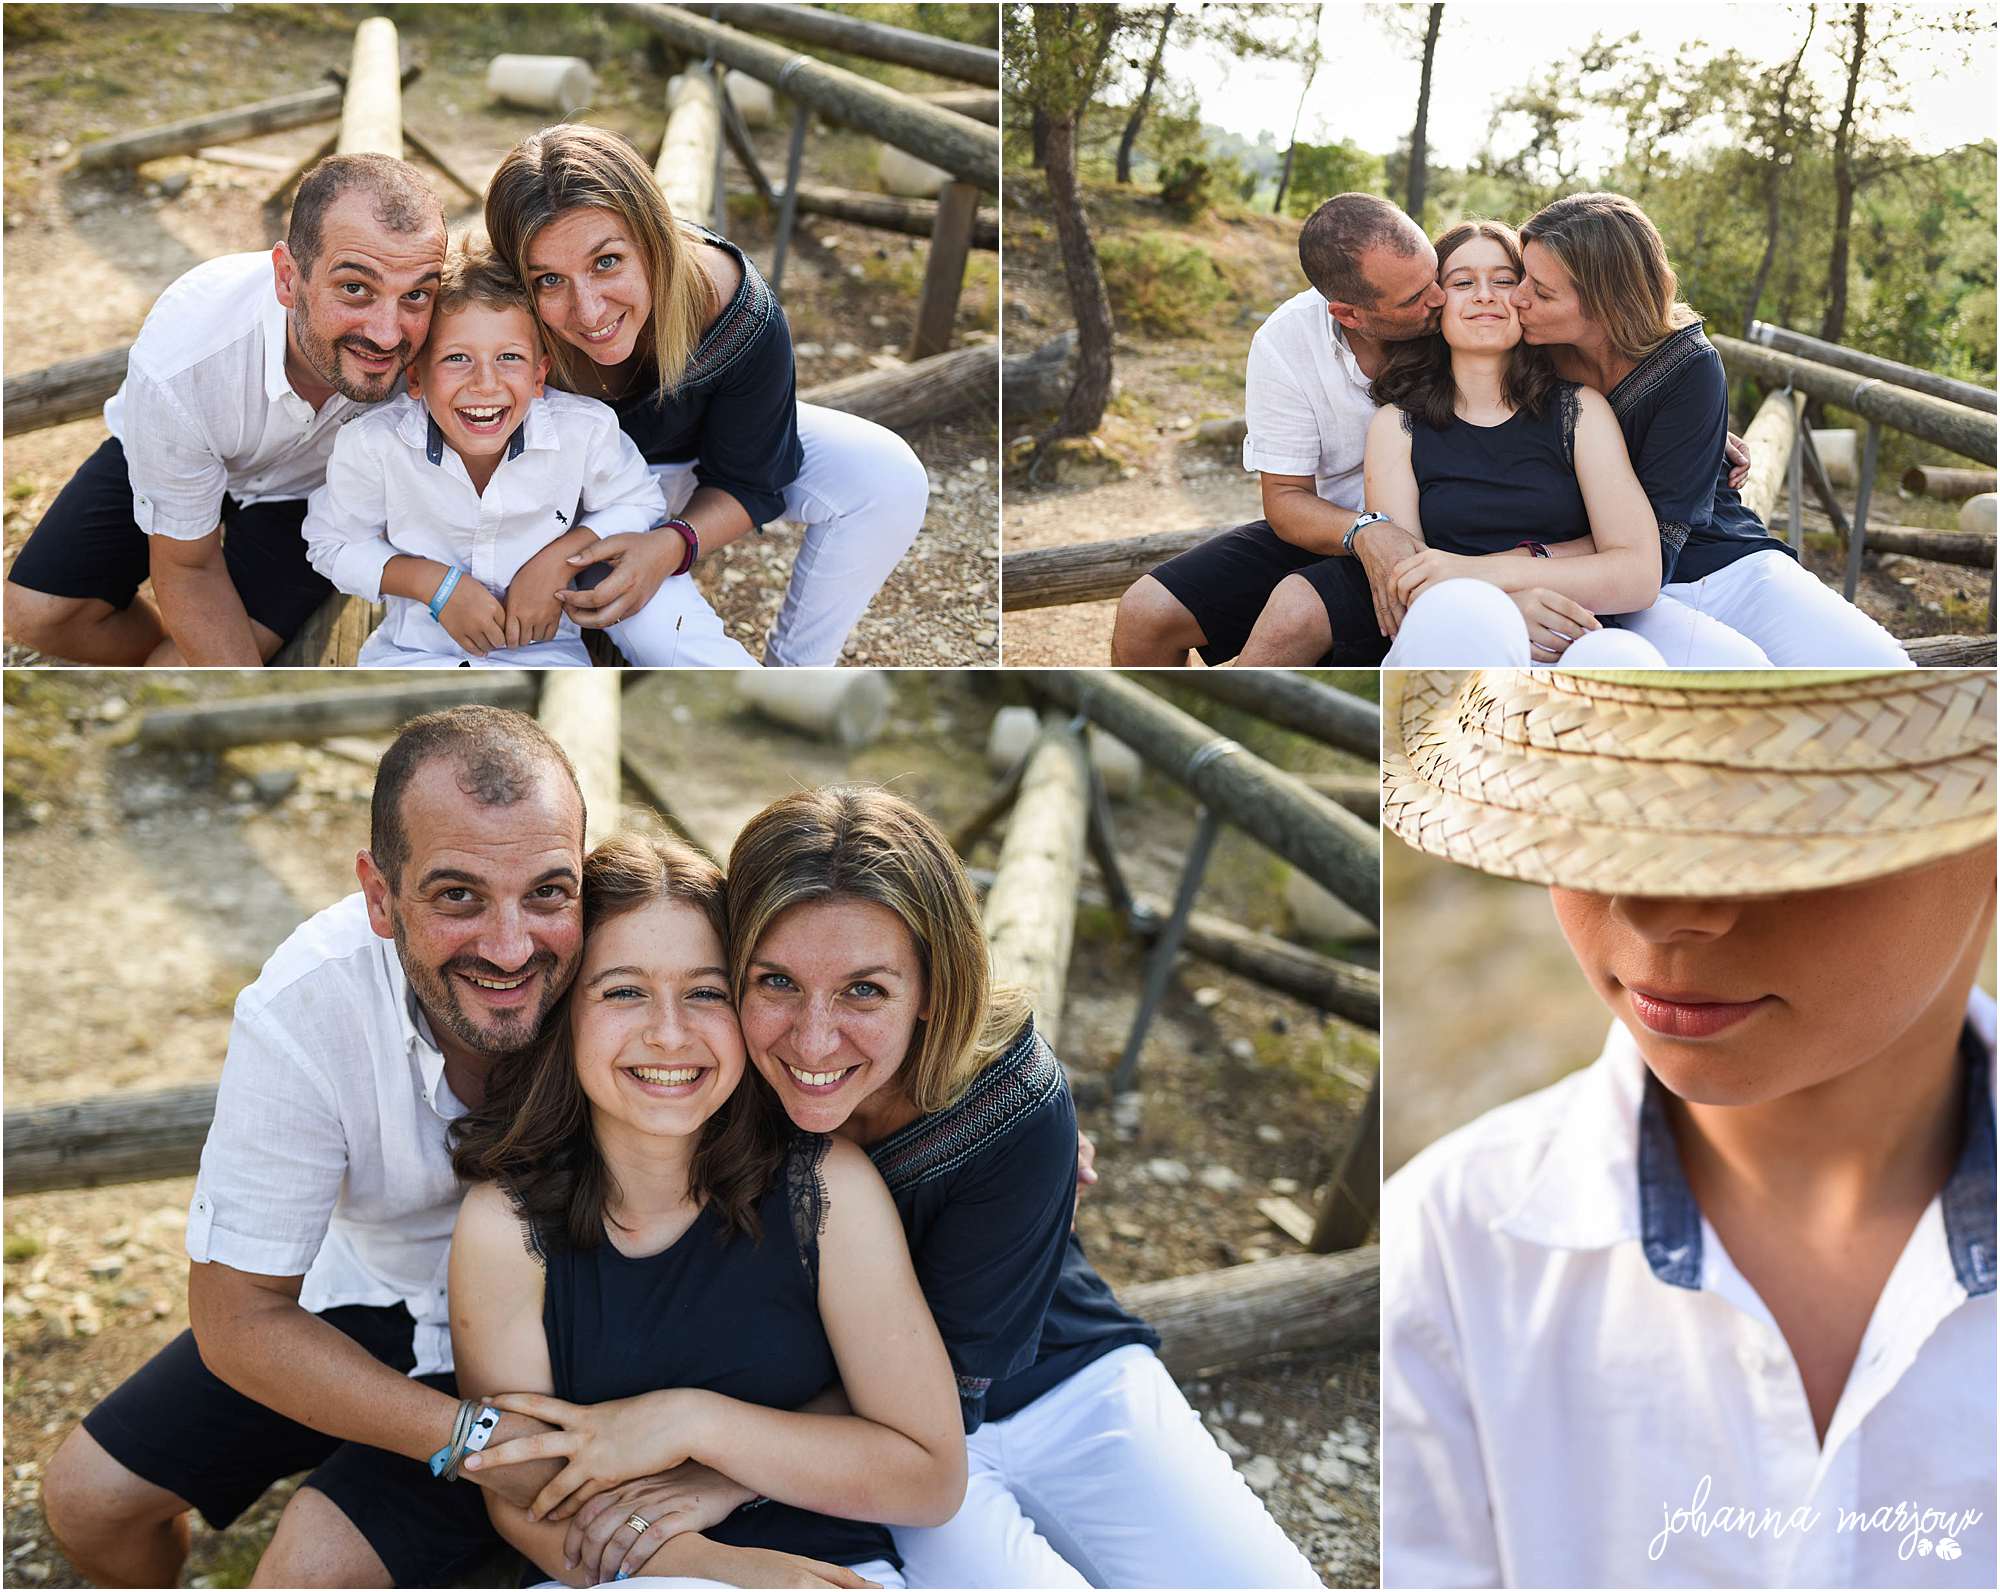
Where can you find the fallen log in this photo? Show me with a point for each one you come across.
(1957, 427)
(1943, 481)
(1295, 702)
(1327, 843)
(581, 709)
(1030, 914)
(1218, 1319)
(1046, 577)
(914, 217)
(57, 393)
(1360, 794)
(1770, 439)
(690, 152)
(909, 395)
(1970, 548)
(371, 111)
(321, 715)
(220, 127)
(1951, 652)
(981, 104)
(872, 41)
(121, 1138)
(962, 147)
(1925, 381)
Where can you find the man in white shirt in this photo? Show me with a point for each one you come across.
(242, 375)
(322, 1217)
(1374, 282)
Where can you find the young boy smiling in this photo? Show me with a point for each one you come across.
(1719, 1309)
(468, 505)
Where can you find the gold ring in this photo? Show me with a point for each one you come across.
(639, 1523)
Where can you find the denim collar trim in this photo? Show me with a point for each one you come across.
(1669, 1219)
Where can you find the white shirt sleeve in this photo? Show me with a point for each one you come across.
(620, 494)
(178, 478)
(1437, 1516)
(347, 519)
(274, 1161)
(1283, 435)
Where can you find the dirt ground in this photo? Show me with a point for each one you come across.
(1158, 473)
(107, 243)
(143, 889)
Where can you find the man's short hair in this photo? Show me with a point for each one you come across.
(1343, 229)
(403, 201)
(498, 754)
(474, 274)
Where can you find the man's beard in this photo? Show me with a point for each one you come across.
(437, 994)
(324, 358)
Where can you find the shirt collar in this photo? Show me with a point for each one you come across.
(418, 1043)
(1342, 352)
(276, 324)
(1612, 1172)
(419, 430)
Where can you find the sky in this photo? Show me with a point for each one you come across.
(1366, 90)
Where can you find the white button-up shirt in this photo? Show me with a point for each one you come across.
(394, 486)
(1580, 1388)
(206, 407)
(1306, 401)
(328, 1157)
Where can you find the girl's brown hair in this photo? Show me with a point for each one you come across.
(532, 1135)
(859, 844)
(1618, 261)
(573, 166)
(1416, 375)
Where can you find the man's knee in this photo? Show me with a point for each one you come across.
(36, 619)
(1297, 615)
(88, 1497)
(317, 1545)
(1152, 620)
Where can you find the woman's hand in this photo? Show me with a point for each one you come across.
(765, 1567)
(1421, 571)
(602, 1444)
(640, 562)
(1553, 622)
(1737, 453)
(690, 1497)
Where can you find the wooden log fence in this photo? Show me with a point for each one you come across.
(583, 709)
(910, 394)
(1353, 1200)
(982, 105)
(916, 218)
(691, 150)
(1971, 549)
(1327, 843)
(121, 1138)
(1786, 341)
(1295, 702)
(186, 137)
(1088, 572)
(1030, 916)
(1291, 1305)
(1945, 482)
(873, 41)
(322, 715)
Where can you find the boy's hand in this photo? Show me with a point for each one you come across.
(473, 618)
(534, 612)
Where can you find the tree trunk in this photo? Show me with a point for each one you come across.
(1089, 300)
(1292, 146)
(1038, 134)
(1843, 187)
(1130, 136)
(1775, 172)
(1417, 134)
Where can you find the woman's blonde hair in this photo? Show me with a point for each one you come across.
(1616, 258)
(574, 166)
(858, 844)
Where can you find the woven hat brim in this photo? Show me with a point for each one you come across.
(1620, 787)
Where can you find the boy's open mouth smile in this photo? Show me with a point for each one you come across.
(484, 420)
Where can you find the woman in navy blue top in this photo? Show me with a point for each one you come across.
(1598, 293)
(673, 326)
(860, 966)
(658, 1263)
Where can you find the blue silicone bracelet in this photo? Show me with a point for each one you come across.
(445, 588)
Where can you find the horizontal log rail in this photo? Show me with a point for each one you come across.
(961, 146)
(1787, 341)
(915, 217)
(320, 715)
(1088, 572)
(1294, 1304)
(220, 127)
(122, 1138)
(1311, 707)
(1972, 549)
(872, 41)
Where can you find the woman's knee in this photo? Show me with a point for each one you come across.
(1462, 624)
(855, 467)
(1612, 649)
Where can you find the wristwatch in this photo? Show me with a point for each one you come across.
(1354, 530)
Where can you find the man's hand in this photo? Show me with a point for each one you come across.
(533, 610)
(473, 617)
(1423, 570)
(689, 1497)
(1554, 621)
(518, 1484)
(765, 1567)
(1737, 452)
(1382, 547)
(640, 564)
(603, 1444)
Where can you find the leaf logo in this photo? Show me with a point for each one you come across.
(1923, 1547)
(1948, 1548)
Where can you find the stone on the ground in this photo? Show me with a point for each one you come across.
(1220, 1179)
(1261, 1473)
(1162, 1170)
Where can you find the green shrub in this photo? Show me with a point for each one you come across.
(1159, 285)
(1184, 185)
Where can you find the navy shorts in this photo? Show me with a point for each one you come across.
(1227, 580)
(176, 1424)
(89, 545)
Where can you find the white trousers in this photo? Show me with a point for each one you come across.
(1793, 617)
(1108, 1480)
(861, 496)
(880, 1571)
(1471, 624)
(563, 652)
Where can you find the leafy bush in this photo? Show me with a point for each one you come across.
(1184, 185)
(1160, 285)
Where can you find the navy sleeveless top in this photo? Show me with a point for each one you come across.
(1486, 489)
(735, 1317)
(986, 1188)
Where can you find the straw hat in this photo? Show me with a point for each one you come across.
(1686, 783)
